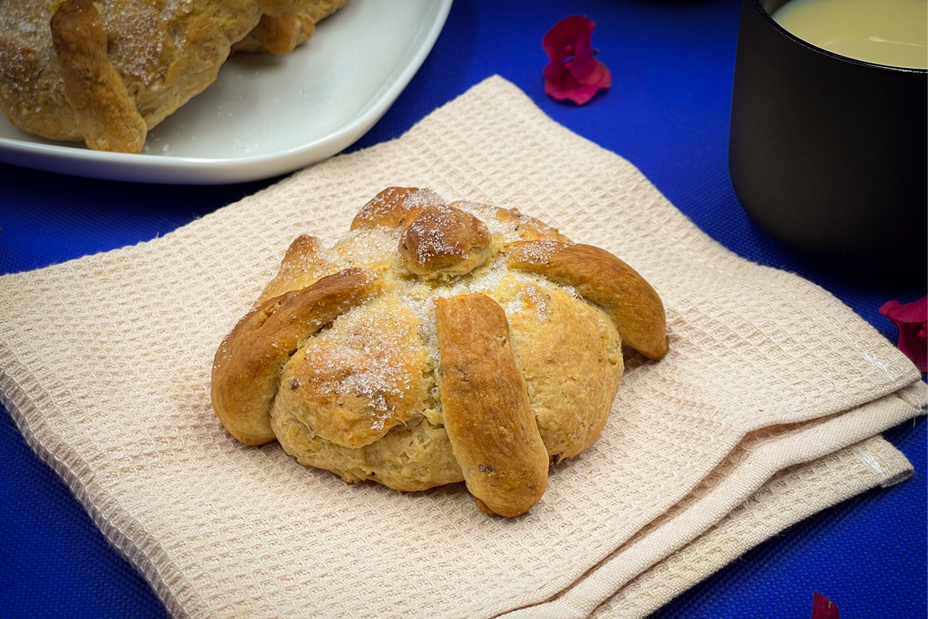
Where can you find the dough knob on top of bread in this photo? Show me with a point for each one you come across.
(444, 241)
(394, 207)
(436, 239)
(437, 343)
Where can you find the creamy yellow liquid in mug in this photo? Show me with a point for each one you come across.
(890, 32)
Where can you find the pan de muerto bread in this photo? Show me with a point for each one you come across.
(107, 72)
(437, 343)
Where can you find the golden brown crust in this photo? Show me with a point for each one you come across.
(482, 361)
(412, 457)
(279, 34)
(570, 355)
(305, 14)
(30, 80)
(301, 266)
(605, 280)
(487, 415)
(444, 241)
(436, 240)
(247, 366)
(352, 384)
(105, 114)
(528, 228)
(156, 56)
(394, 207)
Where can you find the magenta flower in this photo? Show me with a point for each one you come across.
(569, 36)
(823, 608)
(573, 73)
(912, 321)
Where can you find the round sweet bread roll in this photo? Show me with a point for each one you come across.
(437, 343)
(106, 72)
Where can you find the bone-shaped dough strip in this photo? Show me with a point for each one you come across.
(279, 34)
(279, 28)
(247, 366)
(603, 279)
(484, 399)
(301, 266)
(305, 15)
(105, 113)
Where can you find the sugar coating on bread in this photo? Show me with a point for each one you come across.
(107, 72)
(484, 346)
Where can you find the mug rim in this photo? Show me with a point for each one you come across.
(856, 61)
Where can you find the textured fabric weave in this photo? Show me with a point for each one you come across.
(790, 496)
(105, 363)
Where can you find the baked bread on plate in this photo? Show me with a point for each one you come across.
(107, 72)
(437, 343)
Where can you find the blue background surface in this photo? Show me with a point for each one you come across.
(667, 112)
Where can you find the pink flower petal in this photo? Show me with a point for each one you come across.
(568, 37)
(823, 608)
(559, 83)
(916, 311)
(590, 72)
(573, 73)
(577, 79)
(911, 320)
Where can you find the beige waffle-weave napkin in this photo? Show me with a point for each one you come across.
(105, 362)
(791, 495)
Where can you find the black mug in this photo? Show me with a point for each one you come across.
(829, 154)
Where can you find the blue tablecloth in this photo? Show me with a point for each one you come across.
(667, 112)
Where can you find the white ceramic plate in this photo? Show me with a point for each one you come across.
(267, 115)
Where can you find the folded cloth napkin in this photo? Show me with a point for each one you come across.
(105, 365)
(790, 496)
